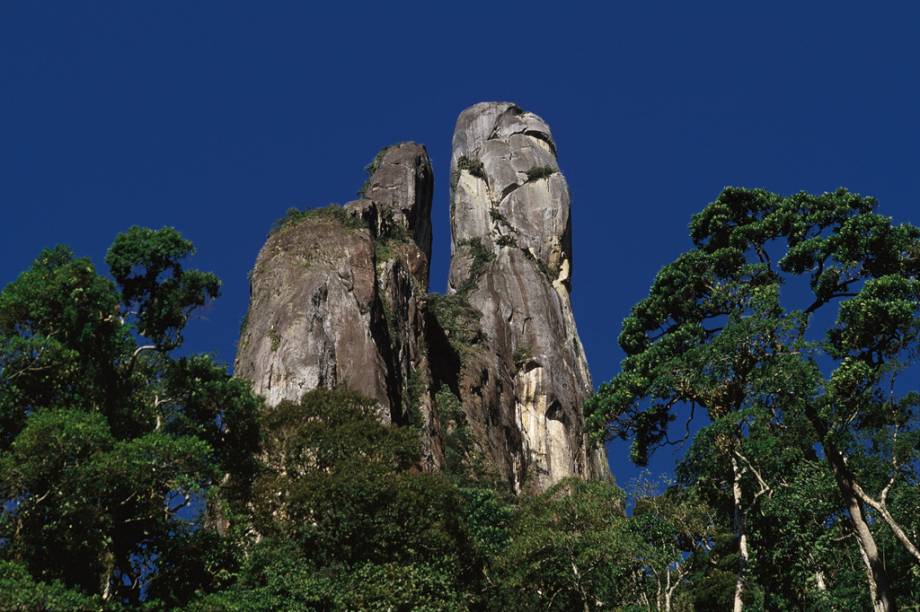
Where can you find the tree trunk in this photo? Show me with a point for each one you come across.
(875, 571)
(584, 596)
(658, 593)
(741, 530)
(668, 590)
(820, 582)
(107, 577)
(896, 529)
(879, 590)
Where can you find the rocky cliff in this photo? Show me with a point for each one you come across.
(493, 373)
(512, 264)
(337, 297)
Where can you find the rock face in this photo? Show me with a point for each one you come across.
(493, 373)
(337, 298)
(523, 389)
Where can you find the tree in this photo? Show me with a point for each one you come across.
(803, 554)
(672, 531)
(110, 445)
(340, 504)
(723, 329)
(19, 591)
(569, 548)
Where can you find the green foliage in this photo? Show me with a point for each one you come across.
(391, 240)
(415, 389)
(471, 165)
(369, 170)
(671, 536)
(333, 213)
(273, 576)
(538, 172)
(454, 315)
(487, 515)
(62, 341)
(19, 591)
(330, 451)
(463, 461)
(206, 403)
(480, 257)
(339, 492)
(383, 251)
(396, 586)
(541, 266)
(722, 330)
(147, 266)
(569, 549)
(107, 446)
(521, 356)
(498, 218)
(458, 319)
(189, 564)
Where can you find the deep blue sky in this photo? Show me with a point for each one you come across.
(217, 117)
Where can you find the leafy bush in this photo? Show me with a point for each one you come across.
(538, 172)
(471, 165)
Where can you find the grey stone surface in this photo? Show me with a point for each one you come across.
(524, 385)
(337, 298)
(312, 314)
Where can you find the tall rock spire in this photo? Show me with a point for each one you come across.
(337, 297)
(523, 389)
(493, 374)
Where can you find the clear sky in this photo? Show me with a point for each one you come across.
(215, 117)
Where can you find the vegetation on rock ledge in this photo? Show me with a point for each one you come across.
(332, 212)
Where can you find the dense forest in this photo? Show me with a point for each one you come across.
(134, 474)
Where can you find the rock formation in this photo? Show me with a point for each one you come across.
(512, 264)
(493, 373)
(337, 297)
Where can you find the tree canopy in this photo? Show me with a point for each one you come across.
(109, 442)
(737, 327)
